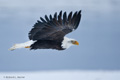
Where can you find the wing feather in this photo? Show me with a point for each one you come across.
(60, 18)
(46, 17)
(77, 20)
(65, 22)
(42, 20)
(55, 16)
(50, 17)
(73, 18)
(69, 17)
(56, 27)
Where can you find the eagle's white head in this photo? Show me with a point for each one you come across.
(68, 42)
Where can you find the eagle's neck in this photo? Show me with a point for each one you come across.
(66, 43)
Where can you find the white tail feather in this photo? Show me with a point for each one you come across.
(22, 45)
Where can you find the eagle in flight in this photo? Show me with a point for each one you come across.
(49, 33)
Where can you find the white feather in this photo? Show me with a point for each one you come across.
(22, 45)
(66, 43)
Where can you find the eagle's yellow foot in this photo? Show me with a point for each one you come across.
(27, 47)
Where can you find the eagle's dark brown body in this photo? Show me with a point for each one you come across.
(47, 44)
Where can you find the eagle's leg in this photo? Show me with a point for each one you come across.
(27, 47)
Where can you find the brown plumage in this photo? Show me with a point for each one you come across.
(53, 29)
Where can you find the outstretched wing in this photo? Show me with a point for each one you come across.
(56, 27)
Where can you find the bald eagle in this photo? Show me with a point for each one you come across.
(49, 33)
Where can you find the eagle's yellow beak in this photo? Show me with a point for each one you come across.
(75, 42)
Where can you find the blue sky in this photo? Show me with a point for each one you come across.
(98, 35)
